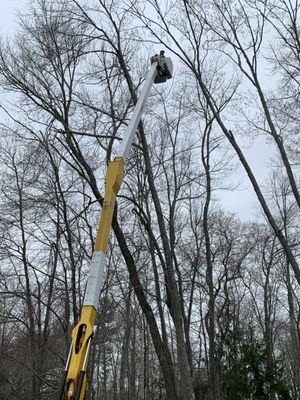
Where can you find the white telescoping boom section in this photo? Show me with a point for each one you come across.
(73, 382)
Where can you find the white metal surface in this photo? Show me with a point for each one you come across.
(136, 116)
(95, 280)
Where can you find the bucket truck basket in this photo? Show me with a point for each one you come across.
(164, 67)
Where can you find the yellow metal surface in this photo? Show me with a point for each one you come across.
(84, 329)
(80, 335)
(113, 180)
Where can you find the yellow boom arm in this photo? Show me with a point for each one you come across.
(73, 382)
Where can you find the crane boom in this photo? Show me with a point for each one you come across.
(73, 381)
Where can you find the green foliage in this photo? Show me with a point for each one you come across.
(201, 389)
(247, 374)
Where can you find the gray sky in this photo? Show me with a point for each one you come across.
(243, 200)
(8, 12)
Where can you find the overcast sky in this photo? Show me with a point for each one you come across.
(243, 202)
(8, 11)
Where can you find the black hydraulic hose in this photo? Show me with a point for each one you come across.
(82, 372)
(61, 386)
(79, 385)
(63, 378)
